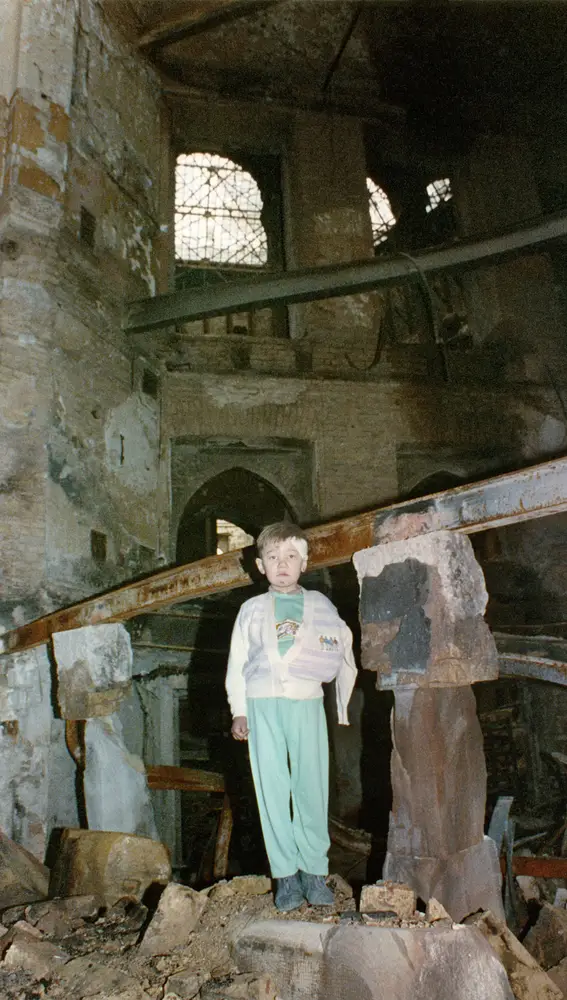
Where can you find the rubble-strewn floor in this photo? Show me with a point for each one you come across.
(103, 960)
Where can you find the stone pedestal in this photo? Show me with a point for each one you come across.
(421, 608)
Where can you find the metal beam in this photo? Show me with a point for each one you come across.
(198, 18)
(517, 496)
(537, 658)
(268, 290)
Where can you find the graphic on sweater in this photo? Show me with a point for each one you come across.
(287, 629)
(328, 643)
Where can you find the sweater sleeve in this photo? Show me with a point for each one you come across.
(346, 676)
(235, 683)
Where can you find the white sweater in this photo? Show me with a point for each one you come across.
(321, 652)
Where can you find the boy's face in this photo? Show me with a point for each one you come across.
(282, 564)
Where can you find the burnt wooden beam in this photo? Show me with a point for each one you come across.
(534, 492)
(335, 280)
(198, 18)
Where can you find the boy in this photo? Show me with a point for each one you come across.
(285, 644)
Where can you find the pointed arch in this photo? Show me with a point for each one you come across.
(237, 495)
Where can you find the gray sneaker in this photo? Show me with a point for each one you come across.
(316, 890)
(289, 894)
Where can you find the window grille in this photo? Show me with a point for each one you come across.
(438, 192)
(381, 214)
(218, 209)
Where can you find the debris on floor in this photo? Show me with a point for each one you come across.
(179, 944)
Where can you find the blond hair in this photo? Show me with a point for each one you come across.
(282, 531)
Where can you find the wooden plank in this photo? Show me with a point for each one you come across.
(163, 777)
(535, 492)
(269, 290)
(539, 867)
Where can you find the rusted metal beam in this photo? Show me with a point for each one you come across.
(199, 17)
(535, 492)
(269, 290)
(538, 658)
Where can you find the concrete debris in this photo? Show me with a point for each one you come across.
(88, 978)
(547, 939)
(179, 910)
(529, 887)
(229, 943)
(23, 878)
(527, 979)
(436, 911)
(21, 949)
(112, 865)
(558, 974)
(385, 895)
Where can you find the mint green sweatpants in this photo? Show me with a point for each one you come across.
(289, 754)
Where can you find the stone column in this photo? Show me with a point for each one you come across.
(421, 606)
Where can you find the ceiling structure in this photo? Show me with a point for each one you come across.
(450, 65)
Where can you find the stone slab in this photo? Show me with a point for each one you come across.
(546, 941)
(94, 670)
(527, 979)
(115, 783)
(422, 602)
(178, 912)
(350, 962)
(111, 865)
(23, 879)
(463, 883)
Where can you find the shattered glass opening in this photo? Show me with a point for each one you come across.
(218, 212)
(381, 215)
(438, 192)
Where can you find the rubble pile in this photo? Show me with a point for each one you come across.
(175, 943)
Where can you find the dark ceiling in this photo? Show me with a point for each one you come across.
(478, 63)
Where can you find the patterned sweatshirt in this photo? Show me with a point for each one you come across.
(321, 652)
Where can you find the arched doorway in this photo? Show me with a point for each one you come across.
(236, 495)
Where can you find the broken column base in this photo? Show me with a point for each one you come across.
(465, 882)
(307, 961)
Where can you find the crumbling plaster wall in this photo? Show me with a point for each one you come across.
(80, 440)
(83, 157)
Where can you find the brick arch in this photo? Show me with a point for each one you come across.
(237, 495)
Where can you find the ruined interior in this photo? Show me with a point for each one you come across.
(265, 260)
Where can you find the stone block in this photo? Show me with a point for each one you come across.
(21, 950)
(94, 670)
(184, 984)
(178, 912)
(386, 895)
(339, 962)
(111, 865)
(463, 882)
(527, 979)
(422, 602)
(546, 941)
(251, 885)
(435, 911)
(23, 878)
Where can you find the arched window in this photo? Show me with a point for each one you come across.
(218, 213)
(381, 215)
(438, 192)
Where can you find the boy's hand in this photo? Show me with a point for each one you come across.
(240, 727)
